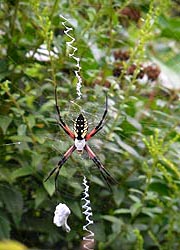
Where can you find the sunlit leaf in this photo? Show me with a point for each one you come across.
(122, 211)
(11, 245)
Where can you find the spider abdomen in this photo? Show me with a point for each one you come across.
(80, 127)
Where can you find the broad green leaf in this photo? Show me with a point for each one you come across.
(134, 198)
(13, 201)
(4, 68)
(136, 208)
(112, 147)
(40, 196)
(170, 27)
(159, 187)
(112, 219)
(31, 121)
(21, 138)
(118, 195)
(49, 186)
(4, 227)
(127, 147)
(151, 211)
(99, 231)
(133, 190)
(22, 130)
(122, 211)
(134, 122)
(21, 172)
(75, 208)
(97, 180)
(5, 122)
(117, 227)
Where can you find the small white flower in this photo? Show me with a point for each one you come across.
(61, 215)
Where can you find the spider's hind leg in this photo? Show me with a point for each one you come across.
(105, 174)
(60, 164)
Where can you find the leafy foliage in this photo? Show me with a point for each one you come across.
(131, 51)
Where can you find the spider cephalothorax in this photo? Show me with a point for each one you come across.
(80, 137)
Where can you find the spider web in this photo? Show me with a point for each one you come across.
(53, 137)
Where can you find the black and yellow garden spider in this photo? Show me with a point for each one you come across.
(80, 137)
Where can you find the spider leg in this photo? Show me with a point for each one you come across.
(61, 123)
(105, 174)
(100, 125)
(60, 164)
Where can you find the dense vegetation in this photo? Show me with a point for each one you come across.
(128, 49)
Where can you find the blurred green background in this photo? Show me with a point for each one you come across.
(131, 50)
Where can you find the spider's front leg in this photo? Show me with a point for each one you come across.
(105, 174)
(100, 125)
(61, 123)
(60, 164)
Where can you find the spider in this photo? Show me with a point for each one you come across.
(80, 137)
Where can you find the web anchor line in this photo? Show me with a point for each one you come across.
(89, 238)
(77, 59)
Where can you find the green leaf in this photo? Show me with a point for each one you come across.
(4, 226)
(22, 130)
(4, 123)
(99, 231)
(112, 219)
(49, 186)
(127, 147)
(122, 211)
(21, 138)
(13, 201)
(31, 121)
(40, 196)
(134, 198)
(21, 172)
(112, 147)
(4, 68)
(159, 187)
(151, 211)
(134, 122)
(170, 27)
(118, 195)
(76, 209)
(136, 209)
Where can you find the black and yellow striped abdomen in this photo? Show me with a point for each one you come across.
(80, 127)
